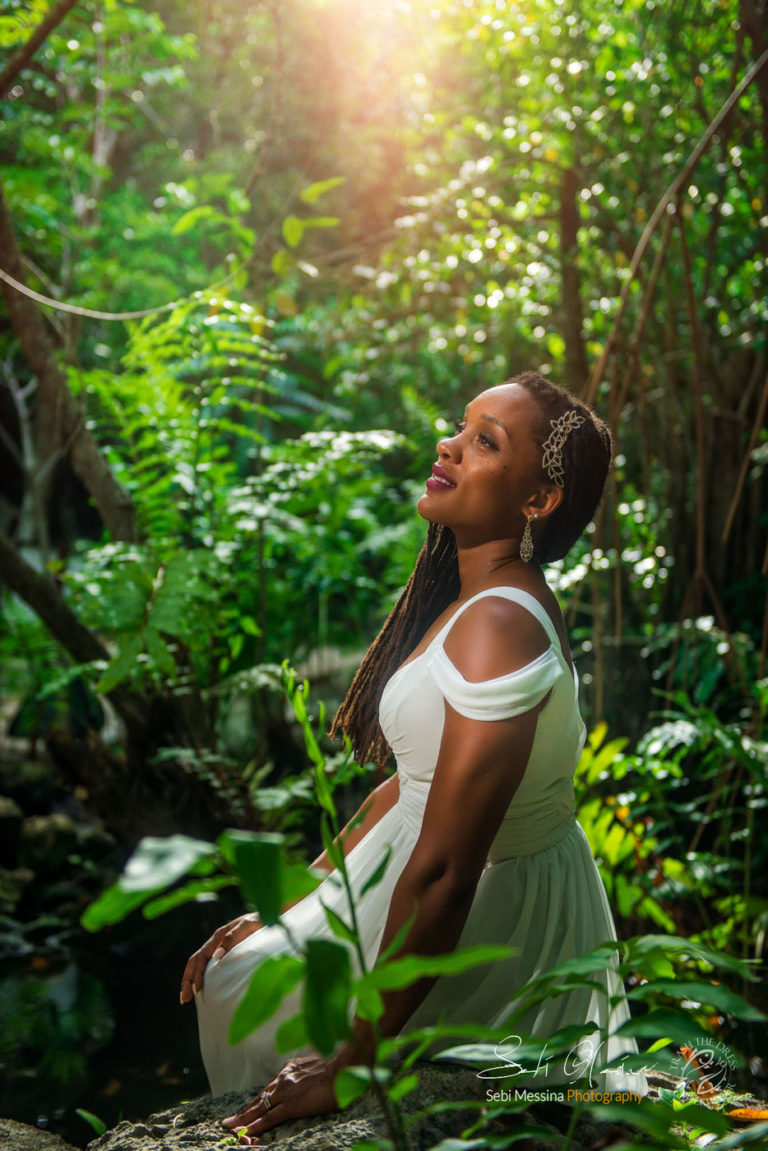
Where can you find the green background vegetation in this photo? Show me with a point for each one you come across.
(363, 214)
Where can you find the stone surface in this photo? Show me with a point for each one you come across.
(13, 884)
(31, 782)
(196, 1125)
(11, 816)
(20, 1137)
(47, 841)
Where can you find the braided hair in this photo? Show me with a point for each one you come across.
(434, 584)
(586, 459)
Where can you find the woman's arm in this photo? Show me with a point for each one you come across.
(229, 934)
(378, 803)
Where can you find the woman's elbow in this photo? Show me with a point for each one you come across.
(454, 880)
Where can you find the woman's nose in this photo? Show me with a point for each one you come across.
(449, 446)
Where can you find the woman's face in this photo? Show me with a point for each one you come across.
(489, 471)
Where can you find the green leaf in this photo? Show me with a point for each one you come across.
(190, 891)
(403, 1087)
(641, 945)
(351, 1084)
(333, 850)
(320, 222)
(257, 859)
(292, 1034)
(158, 862)
(369, 1004)
(158, 649)
(312, 193)
(715, 995)
(658, 1119)
(186, 222)
(453, 1144)
(293, 231)
(327, 993)
(121, 666)
(270, 983)
(112, 907)
(403, 972)
(98, 1125)
(398, 941)
(299, 880)
(756, 1134)
(662, 1023)
(339, 928)
(376, 876)
(283, 262)
(359, 818)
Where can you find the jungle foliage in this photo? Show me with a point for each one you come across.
(282, 244)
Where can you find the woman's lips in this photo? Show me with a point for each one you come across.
(438, 481)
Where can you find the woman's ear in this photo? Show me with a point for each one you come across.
(545, 501)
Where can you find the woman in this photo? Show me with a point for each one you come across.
(471, 685)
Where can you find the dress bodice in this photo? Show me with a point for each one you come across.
(412, 714)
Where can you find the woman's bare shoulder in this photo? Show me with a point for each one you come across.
(493, 637)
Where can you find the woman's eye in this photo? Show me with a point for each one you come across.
(459, 425)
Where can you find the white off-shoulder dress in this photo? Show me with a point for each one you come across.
(540, 892)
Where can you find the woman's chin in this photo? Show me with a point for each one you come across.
(428, 507)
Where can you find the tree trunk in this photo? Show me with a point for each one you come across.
(60, 426)
(576, 370)
(78, 641)
(754, 20)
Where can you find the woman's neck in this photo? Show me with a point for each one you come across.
(479, 566)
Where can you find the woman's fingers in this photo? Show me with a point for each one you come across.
(242, 929)
(303, 1087)
(223, 940)
(258, 1117)
(192, 979)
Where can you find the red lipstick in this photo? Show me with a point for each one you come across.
(439, 481)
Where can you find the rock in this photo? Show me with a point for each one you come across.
(47, 841)
(11, 816)
(13, 884)
(33, 783)
(20, 1137)
(196, 1125)
(95, 842)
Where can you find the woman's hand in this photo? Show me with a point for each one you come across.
(223, 940)
(303, 1087)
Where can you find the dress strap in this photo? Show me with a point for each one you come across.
(515, 595)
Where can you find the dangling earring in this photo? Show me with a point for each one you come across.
(526, 543)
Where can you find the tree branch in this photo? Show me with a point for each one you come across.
(41, 595)
(573, 319)
(660, 210)
(27, 51)
(61, 423)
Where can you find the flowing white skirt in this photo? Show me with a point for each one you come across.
(548, 906)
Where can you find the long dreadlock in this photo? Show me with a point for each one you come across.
(433, 585)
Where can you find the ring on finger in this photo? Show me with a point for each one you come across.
(267, 1100)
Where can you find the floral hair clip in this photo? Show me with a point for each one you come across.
(552, 459)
